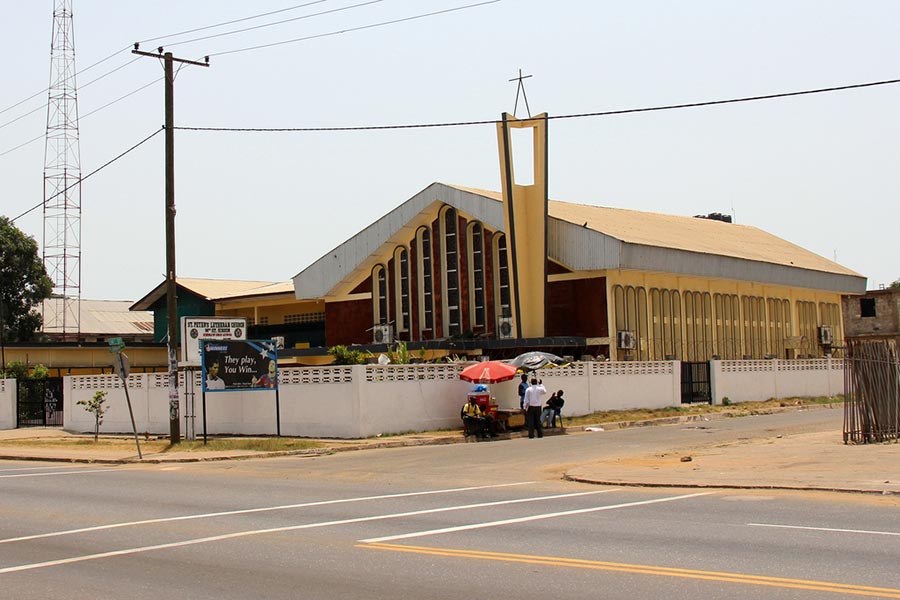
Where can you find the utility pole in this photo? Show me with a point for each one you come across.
(171, 304)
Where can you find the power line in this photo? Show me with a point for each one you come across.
(44, 105)
(84, 116)
(97, 170)
(571, 116)
(264, 25)
(370, 26)
(222, 24)
(171, 35)
(354, 29)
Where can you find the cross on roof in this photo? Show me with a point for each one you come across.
(521, 87)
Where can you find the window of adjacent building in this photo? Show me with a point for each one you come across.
(501, 268)
(867, 307)
(450, 247)
(728, 326)
(401, 277)
(424, 274)
(379, 295)
(316, 317)
(263, 320)
(476, 275)
(631, 315)
(807, 326)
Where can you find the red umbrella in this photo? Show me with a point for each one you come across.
(490, 371)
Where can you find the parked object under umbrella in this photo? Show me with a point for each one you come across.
(531, 361)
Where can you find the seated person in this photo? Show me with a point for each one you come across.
(473, 418)
(552, 409)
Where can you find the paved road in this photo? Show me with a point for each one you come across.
(486, 520)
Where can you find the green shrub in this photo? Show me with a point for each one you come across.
(345, 356)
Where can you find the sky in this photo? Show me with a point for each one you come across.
(818, 170)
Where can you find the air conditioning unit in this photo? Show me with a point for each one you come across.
(383, 334)
(279, 342)
(506, 329)
(825, 335)
(625, 340)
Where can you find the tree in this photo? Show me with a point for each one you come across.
(24, 283)
(895, 285)
(96, 407)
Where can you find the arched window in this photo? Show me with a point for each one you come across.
(426, 286)
(450, 249)
(476, 275)
(501, 271)
(401, 293)
(379, 295)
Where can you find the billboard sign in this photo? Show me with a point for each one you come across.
(239, 365)
(194, 329)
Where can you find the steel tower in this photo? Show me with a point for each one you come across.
(62, 182)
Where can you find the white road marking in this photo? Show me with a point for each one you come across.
(241, 534)
(245, 511)
(831, 529)
(73, 472)
(30, 469)
(529, 518)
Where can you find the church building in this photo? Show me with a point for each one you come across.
(513, 268)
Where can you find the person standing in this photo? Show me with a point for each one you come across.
(532, 404)
(523, 385)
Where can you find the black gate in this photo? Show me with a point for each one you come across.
(695, 383)
(40, 402)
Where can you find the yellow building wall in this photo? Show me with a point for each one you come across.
(272, 311)
(763, 321)
(70, 360)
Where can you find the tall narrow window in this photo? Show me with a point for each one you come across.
(476, 275)
(426, 288)
(450, 247)
(401, 264)
(379, 295)
(501, 268)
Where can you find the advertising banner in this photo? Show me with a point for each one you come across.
(194, 329)
(239, 365)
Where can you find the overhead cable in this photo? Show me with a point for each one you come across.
(97, 170)
(607, 113)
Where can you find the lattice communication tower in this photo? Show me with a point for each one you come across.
(62, 182)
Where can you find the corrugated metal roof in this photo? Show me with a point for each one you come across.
(105, 317)
(690, 234)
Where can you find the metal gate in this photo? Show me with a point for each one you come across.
(39, 402)
(695, 383)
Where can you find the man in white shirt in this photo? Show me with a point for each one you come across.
(532, 405)
(213, 381)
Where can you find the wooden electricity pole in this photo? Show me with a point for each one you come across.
(171, 304)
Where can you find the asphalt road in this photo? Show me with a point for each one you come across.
(476, 520)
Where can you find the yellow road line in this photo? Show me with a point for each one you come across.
(782, 582)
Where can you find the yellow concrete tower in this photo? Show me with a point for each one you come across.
(525, 213)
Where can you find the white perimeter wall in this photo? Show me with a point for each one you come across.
(750, 380)
(366, 400)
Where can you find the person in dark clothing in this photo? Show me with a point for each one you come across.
(523, 385)
(552, 410)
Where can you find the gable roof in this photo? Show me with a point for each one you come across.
(587, 237)
(704, 236)
(215, 289)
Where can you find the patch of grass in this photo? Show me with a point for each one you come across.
(735, 408)
(253, 444)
